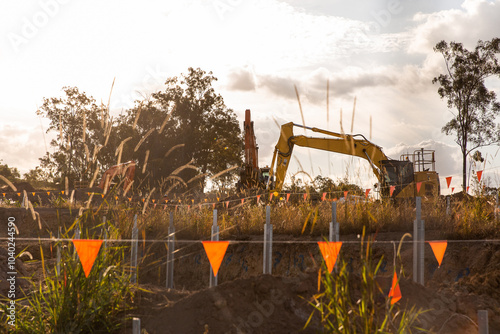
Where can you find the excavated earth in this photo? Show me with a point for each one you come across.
(246, 301)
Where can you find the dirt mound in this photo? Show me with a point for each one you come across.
(273, 304)
(262, 304)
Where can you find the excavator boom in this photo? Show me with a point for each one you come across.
(390, 173)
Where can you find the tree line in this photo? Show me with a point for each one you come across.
(178, 136)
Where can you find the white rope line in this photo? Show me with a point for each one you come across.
(250, 241)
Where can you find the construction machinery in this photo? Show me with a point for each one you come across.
(251, 176)
(125, 170)
(413, 175)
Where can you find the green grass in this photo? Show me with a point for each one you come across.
(69, 302)
(350, 304)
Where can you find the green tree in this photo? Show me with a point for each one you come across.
(186, 124)
(11, 173)
(463, 85)
(326, 184)
(38, 177)
(81, 127)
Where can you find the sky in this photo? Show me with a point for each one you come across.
(378, 53)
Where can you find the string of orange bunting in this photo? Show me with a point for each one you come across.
(281, 196)
(88, 250)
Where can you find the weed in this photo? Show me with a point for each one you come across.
(68, 302)
(352, 304)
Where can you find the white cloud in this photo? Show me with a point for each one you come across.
(478, 19)
(22, 145)
(241, 79)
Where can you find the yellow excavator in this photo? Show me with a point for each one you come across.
(397, 178)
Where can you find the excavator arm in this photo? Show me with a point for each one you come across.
(396, 174)
(354, 145)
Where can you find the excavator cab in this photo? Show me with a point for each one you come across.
(424, 166)
(396, 173)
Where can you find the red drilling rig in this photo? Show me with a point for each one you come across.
(251, 176)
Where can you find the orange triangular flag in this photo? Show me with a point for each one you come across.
(102, 195)
(467, 189)
(258, 198)
(305, 196)
(287, 197)
(395, 292)
(448, 181)
(18, 194)
(166, 201)
(31, 193)
(479, 174)
(130, 199)
(367, 191)
(48, 193)
(215, 252)
(391, 189)
(62, 192)
(438, 247)
(153, 200)
(330, 250)
(452, 189)
(323, 197)
(242, 200)
(419, 185)
(4, 194)
(345, 193)
(87, 250)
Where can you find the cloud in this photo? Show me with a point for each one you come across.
(22, 145)
(478, 19)
(312, 86)
(241, 79)
(279, 85)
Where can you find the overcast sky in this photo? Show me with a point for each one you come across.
(375, 50)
